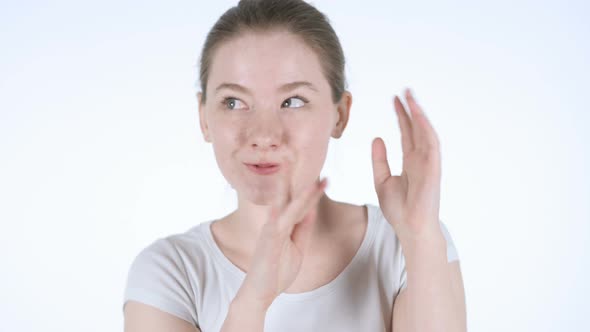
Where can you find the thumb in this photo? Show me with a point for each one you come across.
(381, 170)
(302, 231)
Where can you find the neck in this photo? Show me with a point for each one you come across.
(247, 220)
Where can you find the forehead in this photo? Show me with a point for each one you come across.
(264, 61)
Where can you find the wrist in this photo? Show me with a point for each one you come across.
(244, 314)
(424, 246)
(246, 300)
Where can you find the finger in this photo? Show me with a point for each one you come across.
(302, 232)
(424, 134)
(405, 125)
(381, 171)
(300, 206)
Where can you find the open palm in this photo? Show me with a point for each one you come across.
(410, 201)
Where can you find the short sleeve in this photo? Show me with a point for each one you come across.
(157, 277)
(452, 255)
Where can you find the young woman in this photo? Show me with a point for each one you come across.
(289, 258)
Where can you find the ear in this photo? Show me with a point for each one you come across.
(343, 112)
(203, 118)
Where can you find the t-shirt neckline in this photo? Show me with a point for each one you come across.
(240, 275)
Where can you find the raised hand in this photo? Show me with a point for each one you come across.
(410, 201)
(282, 244)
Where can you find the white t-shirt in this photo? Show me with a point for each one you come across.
(188, 276)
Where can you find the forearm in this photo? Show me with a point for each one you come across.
(431, 303)
(244, 315)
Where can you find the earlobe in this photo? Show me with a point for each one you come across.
(203, 118)
(343, 110)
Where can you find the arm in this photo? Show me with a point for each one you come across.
(282, 244)
(244, 314)
(434, 299)
(141, 317)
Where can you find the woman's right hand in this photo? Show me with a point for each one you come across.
(282, 244)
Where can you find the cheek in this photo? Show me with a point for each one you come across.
(316, 153)
(225, 142)
(312, 142)
(315, 133)
(224, 134)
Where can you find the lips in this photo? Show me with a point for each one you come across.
(263, 168)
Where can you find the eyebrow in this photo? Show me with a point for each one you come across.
(283, 88)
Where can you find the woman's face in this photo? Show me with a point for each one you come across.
(268, 102)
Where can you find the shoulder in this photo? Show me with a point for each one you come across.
(166, 274)
(172, 260)
(174, 252)
(173, 244)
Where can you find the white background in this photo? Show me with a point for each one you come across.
(101, 152)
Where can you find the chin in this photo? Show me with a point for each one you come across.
(259, 197)
(256, 193)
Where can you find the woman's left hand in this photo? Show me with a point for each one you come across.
(410, 201)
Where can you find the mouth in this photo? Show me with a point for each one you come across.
(263, 168)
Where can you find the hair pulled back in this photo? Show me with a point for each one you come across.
(295, 16)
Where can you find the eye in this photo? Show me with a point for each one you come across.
(295, 102)
(232, 103)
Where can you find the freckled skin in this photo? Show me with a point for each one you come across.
(277, 119)
(258, 127)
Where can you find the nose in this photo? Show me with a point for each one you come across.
(266, 130)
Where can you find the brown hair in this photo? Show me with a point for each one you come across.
(295, 16)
